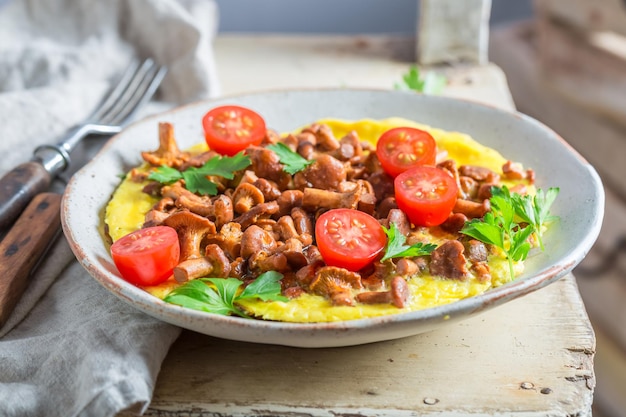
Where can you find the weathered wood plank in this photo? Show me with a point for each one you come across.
(586, 68)
(350, 61)
(531, 356)
(589, 16)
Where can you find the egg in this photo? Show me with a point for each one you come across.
(126, 210)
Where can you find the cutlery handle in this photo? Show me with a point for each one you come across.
(18, 187)
(24, 245)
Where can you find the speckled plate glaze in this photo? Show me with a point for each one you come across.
(580, 205)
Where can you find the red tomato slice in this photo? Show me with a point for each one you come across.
(426, 194)
(147, 256)
(231, 129)
(349, 238)
(403, 148)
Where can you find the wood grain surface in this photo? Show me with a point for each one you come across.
(23, 246)
(18, 187)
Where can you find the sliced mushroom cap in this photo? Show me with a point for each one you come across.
(223, 210)
(288, 200)
(260, 211)
(478, 173)
(286, 228)
(266, 164)
(201, 206)
(186, 200)
(399, 291)
(229, 239)
(336, 284)
(398, 295)
(317, 198)
(449, 261)
(219, 260)
(246, 196)
(154, 218)
(293, 251)
(191, 229)
(255, 240)
(326, 173)
(406, 267)
(325, 139)
(263, 262)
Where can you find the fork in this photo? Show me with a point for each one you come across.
(134, 88)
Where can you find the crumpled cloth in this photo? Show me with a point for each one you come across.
(70, 348)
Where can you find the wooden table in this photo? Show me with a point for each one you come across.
(529, 357)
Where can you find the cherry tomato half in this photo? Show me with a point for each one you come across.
(349, 238)
(147, 256)
(426, 194)
(403, 148)
(231, 129)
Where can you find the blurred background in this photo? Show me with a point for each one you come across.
(565, 62)
(343, 16)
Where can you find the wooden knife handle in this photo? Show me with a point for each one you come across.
(24, 245)
(18, 187)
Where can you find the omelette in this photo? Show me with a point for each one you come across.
(127, 209)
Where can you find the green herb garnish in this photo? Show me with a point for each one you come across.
(220, 295)
(196, 179)
(500, 226)
(535, 209)
(292, 162)
(396, 248)
(431, 83)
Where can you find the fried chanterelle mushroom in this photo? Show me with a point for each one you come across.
(264, 217)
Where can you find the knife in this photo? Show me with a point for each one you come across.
(24, 246)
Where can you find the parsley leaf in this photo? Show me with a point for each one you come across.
(500, 227)
(165, 175)
(225, 166)
(220, 295)
(396, 248)
(431, 83)
(196, 179)
(292, 161)
(535, 209)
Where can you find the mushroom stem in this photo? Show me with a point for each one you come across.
(214, 264)
(168, 152)
(192, 269)
(315, 197)
(471, 209)
(397, 295)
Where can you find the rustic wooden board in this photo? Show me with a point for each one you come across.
(350, 61)
(532, 356)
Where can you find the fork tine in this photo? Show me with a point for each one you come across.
(121, 108)
(139, 95)
(114, 94)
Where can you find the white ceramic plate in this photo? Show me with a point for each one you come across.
(580, 205)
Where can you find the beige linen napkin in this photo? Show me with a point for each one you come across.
(70, 348)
